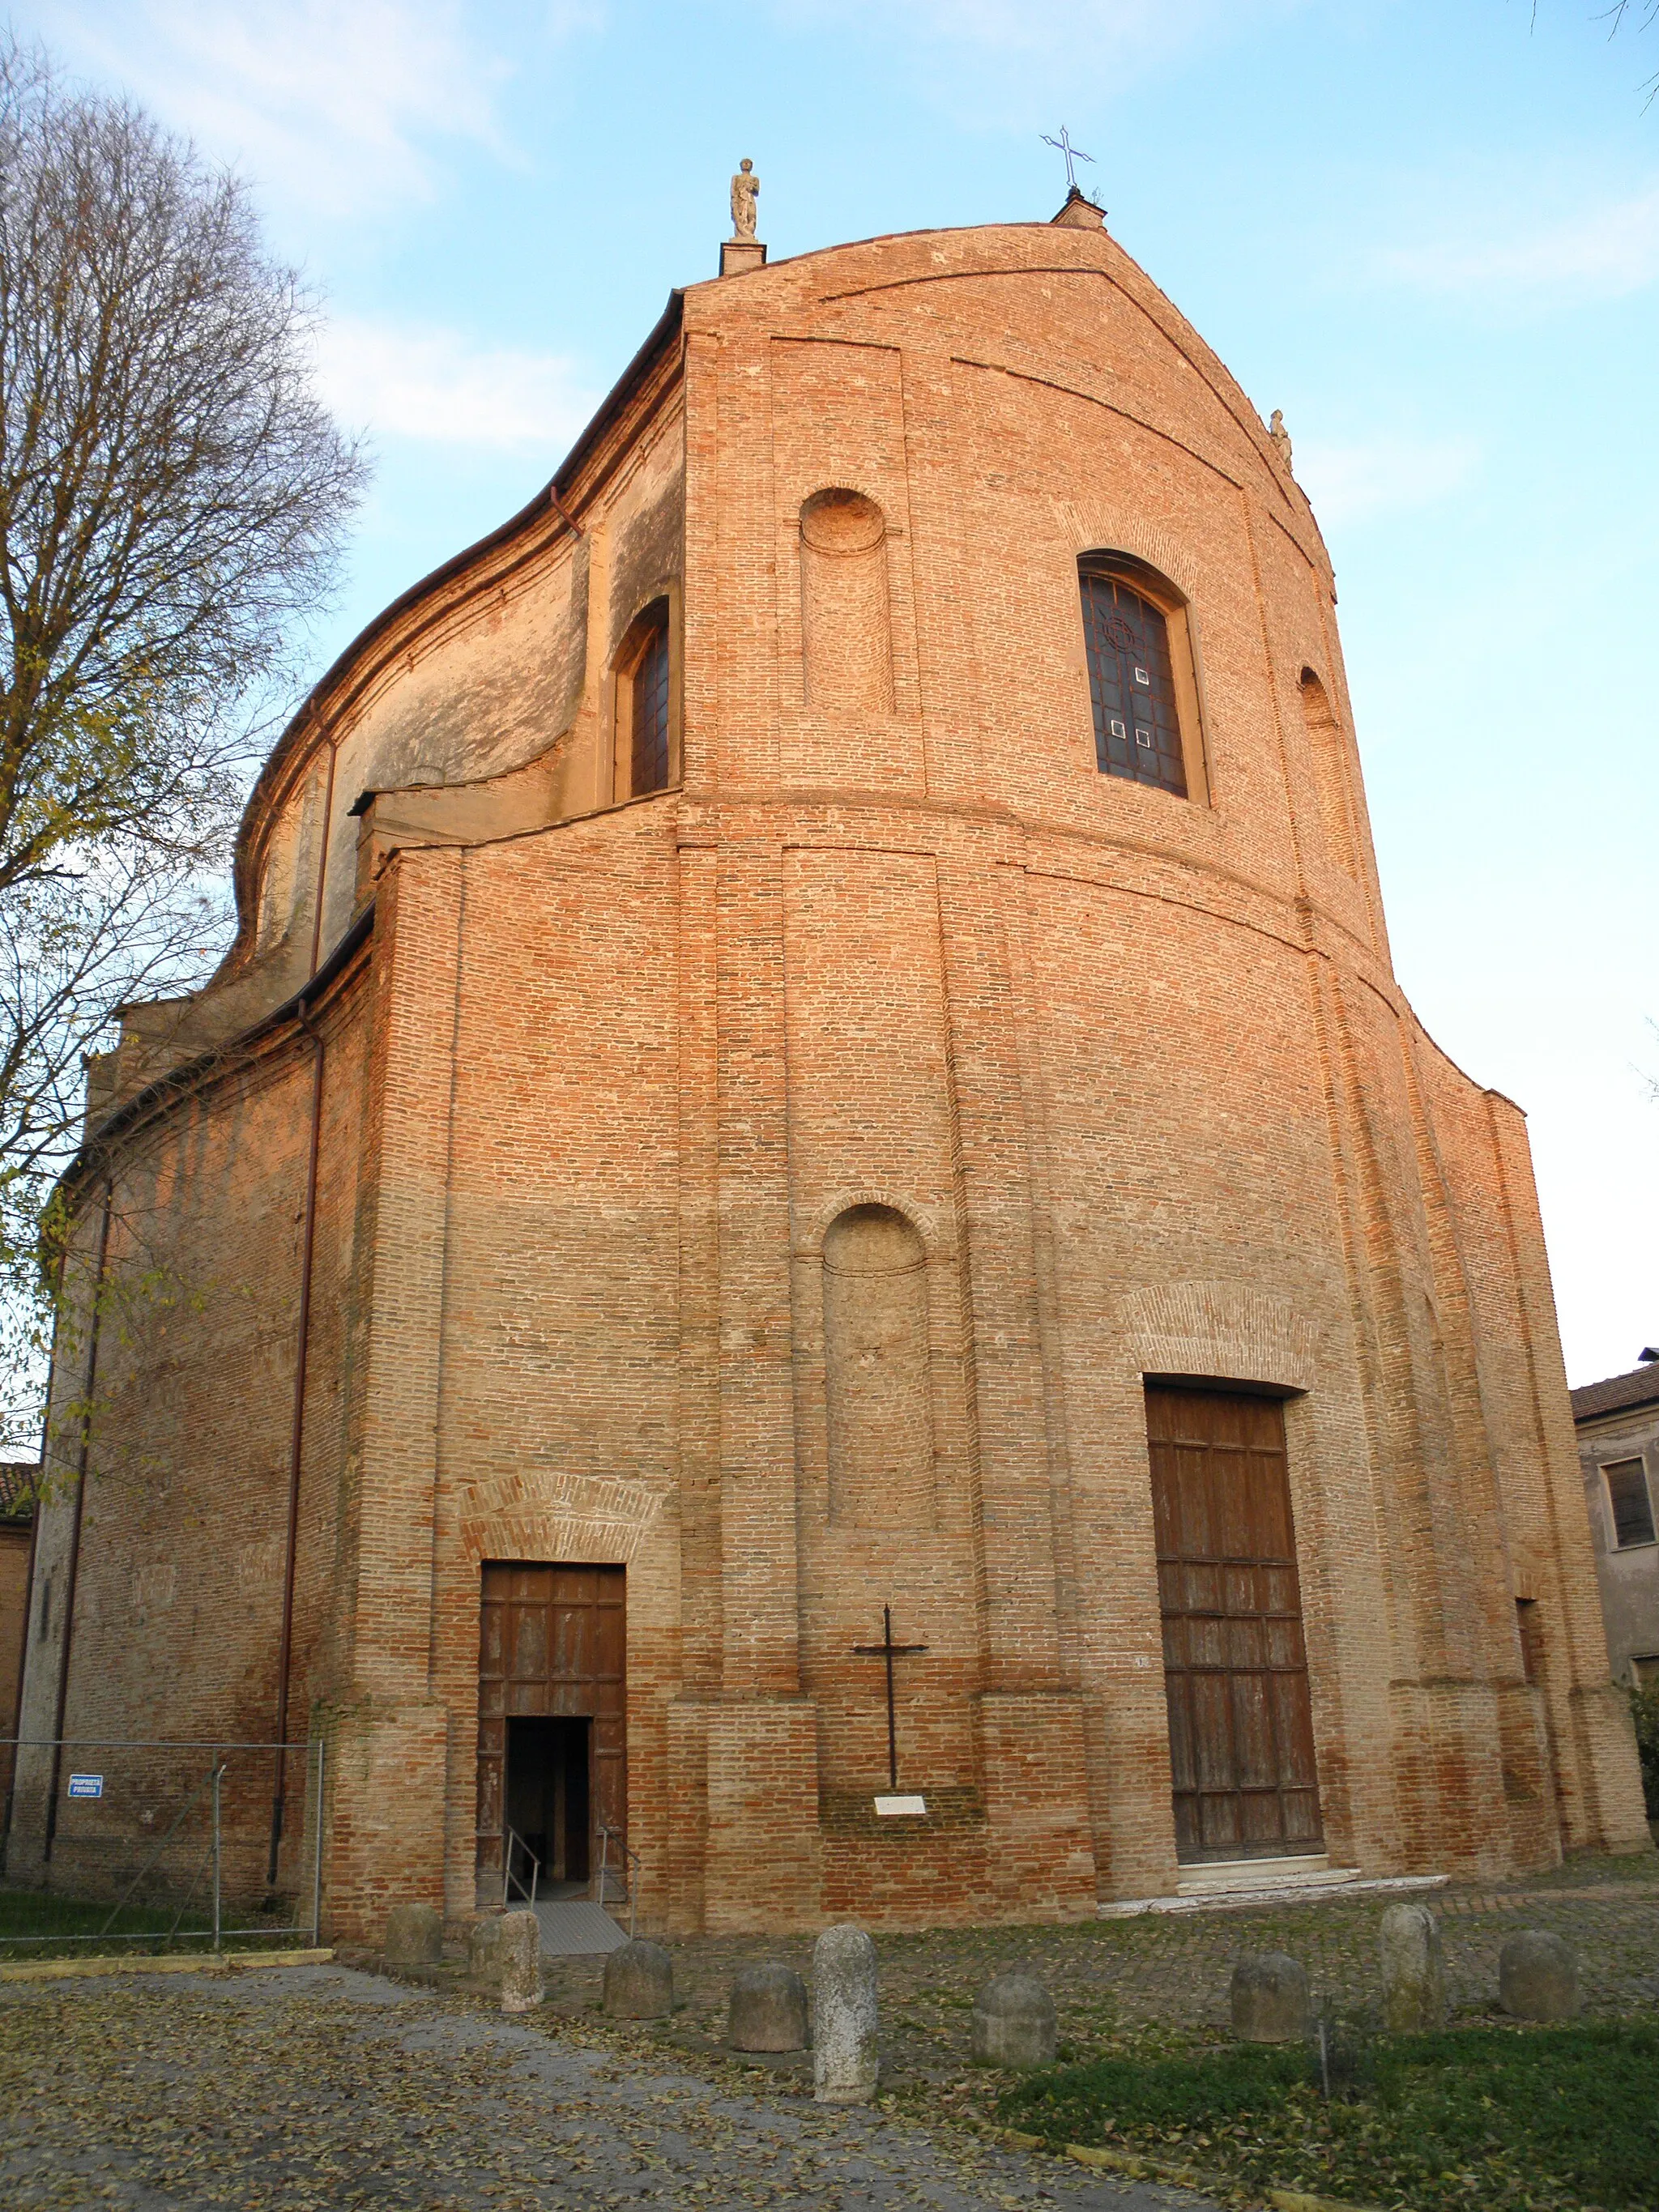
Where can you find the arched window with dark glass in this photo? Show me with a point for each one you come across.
(645, 754)
(1132, 681)
(648, 701)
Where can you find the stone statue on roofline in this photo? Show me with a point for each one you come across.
(745, 190)
(1280, 435)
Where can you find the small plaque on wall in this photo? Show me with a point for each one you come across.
(901, 1807)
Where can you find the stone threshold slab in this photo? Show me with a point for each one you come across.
(1222, 1876)
(1297, 1889)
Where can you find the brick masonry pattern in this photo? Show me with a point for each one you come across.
(1135, 1070)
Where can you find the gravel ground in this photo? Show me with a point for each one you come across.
(1113, 1978)
(330, 2087)
(317, 2089)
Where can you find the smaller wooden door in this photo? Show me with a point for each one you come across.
(1235, 1665)
(553, 1643)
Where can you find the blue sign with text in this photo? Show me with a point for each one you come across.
(86, 1785)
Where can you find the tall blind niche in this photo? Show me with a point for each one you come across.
(1325, 743)
(846, 623)
(875, 1349)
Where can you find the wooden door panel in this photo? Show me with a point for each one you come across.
(1241, 1720)
(1255, 1749)
(552, 1644)
(1211, 1705)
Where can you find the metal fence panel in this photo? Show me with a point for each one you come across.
(127, 1844)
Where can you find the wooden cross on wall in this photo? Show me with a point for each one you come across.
(888, 1651)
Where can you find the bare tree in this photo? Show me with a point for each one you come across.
(1640, 15)
(172, 497)
(1625, 15)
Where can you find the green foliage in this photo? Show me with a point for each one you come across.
(1644, 1711)
(1512, 2120)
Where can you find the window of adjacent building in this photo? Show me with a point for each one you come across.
(644, 706)
(1141, 686)
(1645, 1671)
(1632, 1507)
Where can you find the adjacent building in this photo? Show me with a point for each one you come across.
(1618, 1424)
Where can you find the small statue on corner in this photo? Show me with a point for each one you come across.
(745, 191)
(1280, 437)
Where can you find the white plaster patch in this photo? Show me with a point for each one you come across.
(258, 1564)
(155, 1587)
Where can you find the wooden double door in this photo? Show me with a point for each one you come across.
(552, 1723)
(1235, 1662)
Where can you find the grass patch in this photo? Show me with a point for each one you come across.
(1560, 2119)
(45, 1924)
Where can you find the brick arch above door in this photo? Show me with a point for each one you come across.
(534, 1515)
(1227, 1330)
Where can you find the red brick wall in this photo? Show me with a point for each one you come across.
(1135, 1070)
(14, 1609)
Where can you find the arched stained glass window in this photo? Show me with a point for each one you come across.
(648, 685)
(1131, 682)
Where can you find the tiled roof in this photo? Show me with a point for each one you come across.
(1639, 1387)
(17, 1480)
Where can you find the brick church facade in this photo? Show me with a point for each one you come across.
(811, 1041)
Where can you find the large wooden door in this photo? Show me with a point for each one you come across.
(1235, 1665)
(553, 1643)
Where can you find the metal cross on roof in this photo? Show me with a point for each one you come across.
(1073, 154)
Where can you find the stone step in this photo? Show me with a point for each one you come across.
(1214, 1875)
(1340, 1883)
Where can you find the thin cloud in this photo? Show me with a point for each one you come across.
(1379, 475)
(1126, 27)
(1085, 51)
(436, 386)
(1608, 251)
(333, 106)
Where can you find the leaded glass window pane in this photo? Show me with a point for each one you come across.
(1132, 685)
(650, 688)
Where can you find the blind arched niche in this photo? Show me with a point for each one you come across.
(875, 1352)
(1325, 743)
(846, 629)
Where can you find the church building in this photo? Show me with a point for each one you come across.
(806, 1235)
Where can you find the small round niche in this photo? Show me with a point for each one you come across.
(841, 522)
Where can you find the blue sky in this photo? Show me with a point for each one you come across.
(1428, 229)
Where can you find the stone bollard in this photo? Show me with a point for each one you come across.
(845, 2059)
(1270, 1999)
(1414, 1978)
(768, 2011)
(1538, 1977)
(414, 1936)
(639, 1982)
(1014, 2023)
(484, 1949)
(519, 1952)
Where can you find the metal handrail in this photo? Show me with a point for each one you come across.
(509, 1877)
(606, 1832)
